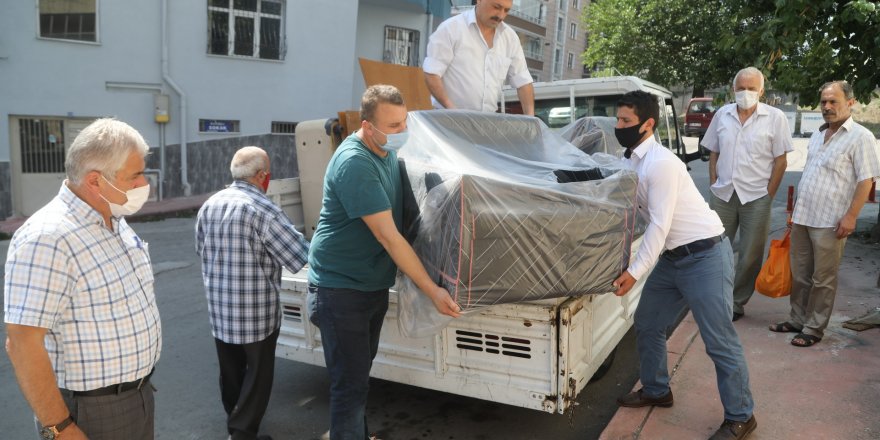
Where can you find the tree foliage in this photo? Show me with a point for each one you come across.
(799, 44)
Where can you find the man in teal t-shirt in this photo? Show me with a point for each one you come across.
(355, 254)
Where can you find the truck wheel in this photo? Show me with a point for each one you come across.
(606, 365)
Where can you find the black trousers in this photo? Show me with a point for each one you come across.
(246, 374)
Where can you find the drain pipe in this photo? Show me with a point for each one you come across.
(184, 181)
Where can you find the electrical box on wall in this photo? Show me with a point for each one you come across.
(160, 107)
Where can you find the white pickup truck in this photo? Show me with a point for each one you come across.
(536, 355)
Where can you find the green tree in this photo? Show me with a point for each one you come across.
(803, 43)
(799, 44)
(664, 41)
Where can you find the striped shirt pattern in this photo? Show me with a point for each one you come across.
(832, 172)
(244, 240)
(91, 287)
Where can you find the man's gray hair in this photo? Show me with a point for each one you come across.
(749, 71)
(247, 162)
(378, 94)
(845, 86)
(103, 146)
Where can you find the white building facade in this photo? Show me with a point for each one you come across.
(189, 75)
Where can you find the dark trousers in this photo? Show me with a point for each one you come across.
(246, 374)
(350, 322)
(127, 415)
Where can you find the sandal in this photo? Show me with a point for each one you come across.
(806, 340)
(784, 327)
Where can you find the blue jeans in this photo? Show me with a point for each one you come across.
(350, 322)
(704, 282)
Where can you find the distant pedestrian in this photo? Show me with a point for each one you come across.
(842, 162)
(244, 240)
(355, 254)
(472, 55)
(82, 325)
(748, 142)
(694, 268)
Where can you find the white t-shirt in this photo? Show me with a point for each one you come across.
(472, 73)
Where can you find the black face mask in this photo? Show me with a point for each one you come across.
(628, 138)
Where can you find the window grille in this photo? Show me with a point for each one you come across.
(246, 28)
(68, 20)
(401, 46)
(42, 145)
(279, 127)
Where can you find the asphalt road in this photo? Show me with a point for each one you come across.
(188, 405)
(188, 398)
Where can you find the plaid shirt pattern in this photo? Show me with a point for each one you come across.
(832, 172)
(244, 240)
(91, 287)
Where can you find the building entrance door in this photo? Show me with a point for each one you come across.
(39, 147)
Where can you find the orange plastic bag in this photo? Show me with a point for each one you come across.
(774, 280)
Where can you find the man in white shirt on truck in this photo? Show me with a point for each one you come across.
(471, 56)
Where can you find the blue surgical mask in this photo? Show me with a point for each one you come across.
(394, 141)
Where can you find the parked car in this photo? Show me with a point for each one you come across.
(698, 115)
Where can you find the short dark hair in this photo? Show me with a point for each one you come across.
(644, 105)
(378, 94)
(845, 87)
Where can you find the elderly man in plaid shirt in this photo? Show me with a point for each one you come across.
(82, 323)
(244, 240)
(841, 165)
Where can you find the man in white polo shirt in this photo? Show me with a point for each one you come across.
(471, 55)
(748, 142)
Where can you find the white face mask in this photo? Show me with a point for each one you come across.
(136, 199)
(746, 99)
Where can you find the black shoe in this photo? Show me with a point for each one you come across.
(732, 430)
(737, 316)
(635, 399)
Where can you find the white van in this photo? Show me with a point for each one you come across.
(555, 100)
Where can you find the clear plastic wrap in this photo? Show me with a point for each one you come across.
(500, 209)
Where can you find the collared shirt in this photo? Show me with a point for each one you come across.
(832, 172)
(91, 287)
(746, 151)
(244, 239)
(668, 199)
(473, 73)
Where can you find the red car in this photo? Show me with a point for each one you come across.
(698, 115)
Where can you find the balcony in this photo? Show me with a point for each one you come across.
(533, 11)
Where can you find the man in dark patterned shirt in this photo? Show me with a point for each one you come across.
(244, 240)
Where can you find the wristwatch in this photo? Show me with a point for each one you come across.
(54, 432)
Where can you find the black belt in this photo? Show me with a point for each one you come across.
(112, 389)
(693, 247)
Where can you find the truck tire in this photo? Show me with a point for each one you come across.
(606, 365)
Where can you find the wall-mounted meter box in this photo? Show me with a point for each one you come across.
(160, 107)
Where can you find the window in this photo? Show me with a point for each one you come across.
(281, 127)
(246, 28)
(533, 47)
(570, 62)
(576, 4)
(557, 63)
(401, 46)
(42, 145)
(68, 19)
(573, 30)
(560, 30)
(218, 126)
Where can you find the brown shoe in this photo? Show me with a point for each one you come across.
(635, 399)
(732, 430)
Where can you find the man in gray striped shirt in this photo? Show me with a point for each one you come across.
(841, 165)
